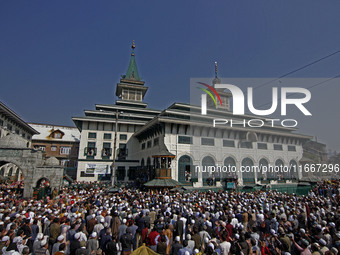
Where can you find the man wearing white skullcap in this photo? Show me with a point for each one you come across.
(92, 243)
(323, 245)
(55, 247)
(176, 246)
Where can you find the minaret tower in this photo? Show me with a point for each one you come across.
(224, 96)
(131, 87)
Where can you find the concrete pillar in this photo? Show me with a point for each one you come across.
(28, 190)
(126, 178)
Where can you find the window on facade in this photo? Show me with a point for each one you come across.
(278, 147)
(107, 136)
(17, 131)
(1, 122)
(123, 137)
(291, 148)
(228, 143)
(65, 150)
(53, 148)
(184, 139)
(106, 153)
(83, 174)
(9, 127)
(149, 144)
(225, 102)
(262, 146)
(122, 152)
(139, 96)
(40, 147)
(132, 95)
(143, 146)
(208, 141)
(64, 162)
(155, 141)
(90, 150)
(56, 135)
(125, 94)
(246, 145)
(23, 135)
(92, 135)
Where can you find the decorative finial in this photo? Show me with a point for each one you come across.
(215, 69)
(133, 48)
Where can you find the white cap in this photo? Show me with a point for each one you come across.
(43, 242)
(5, 239)
(17, 239)
(77, 236)
(94, 234)
(177, 238)
(322, 242)
(60, 238)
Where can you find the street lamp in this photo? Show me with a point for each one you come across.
(113, 170)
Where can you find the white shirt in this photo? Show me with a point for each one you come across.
(225, 248)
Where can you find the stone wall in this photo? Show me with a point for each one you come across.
(13, 149)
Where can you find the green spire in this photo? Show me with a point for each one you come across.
(132, 72)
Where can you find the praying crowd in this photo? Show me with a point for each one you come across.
(91, 221)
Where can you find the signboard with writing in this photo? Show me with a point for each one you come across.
(96, 169)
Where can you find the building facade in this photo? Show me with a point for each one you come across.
(11, 123)
(61, 142)
(106, 132)
(179, 142)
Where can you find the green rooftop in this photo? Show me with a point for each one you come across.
(132, 72)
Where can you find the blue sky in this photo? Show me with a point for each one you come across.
(58, 58)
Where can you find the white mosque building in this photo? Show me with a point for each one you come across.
(178, 143)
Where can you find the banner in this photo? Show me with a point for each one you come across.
(96, 169)
(230, 185)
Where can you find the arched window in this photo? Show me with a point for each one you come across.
(279, 167)
(263, 165)
(185, 169)
(207, 163)
(230, 166)
(248, 174)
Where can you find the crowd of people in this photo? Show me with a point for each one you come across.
(88, 220)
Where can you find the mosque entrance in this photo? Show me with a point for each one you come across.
(184, 169)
